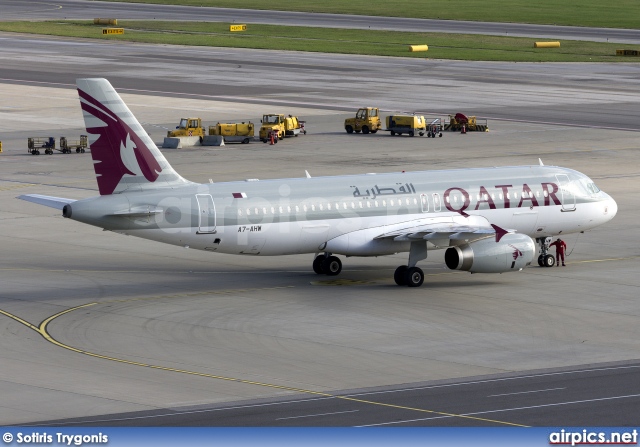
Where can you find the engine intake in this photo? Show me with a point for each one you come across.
(512, 253)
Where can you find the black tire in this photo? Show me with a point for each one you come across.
(421, 134)
(440, 136)
(37, 152)
(400, 275)
(541, 260)
(317, 264)
(374, 131)
(392, 133)
(78, 151)
(549, 261)
(349, 129)
(365, 129)
(356, 131)
(245, 141)
(411, 133)
(332, 266)
(263, 140)
(414, 277)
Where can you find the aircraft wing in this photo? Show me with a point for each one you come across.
(444, 231)
(53, 202)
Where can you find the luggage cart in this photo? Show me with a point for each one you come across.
(79, 145)
(34, 144)
(435, 127)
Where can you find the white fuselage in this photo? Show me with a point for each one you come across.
(348, 214)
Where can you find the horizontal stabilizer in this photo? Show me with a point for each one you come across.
(52, 202)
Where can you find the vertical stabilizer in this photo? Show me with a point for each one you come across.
(124, 156)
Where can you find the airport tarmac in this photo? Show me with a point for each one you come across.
(153, 326)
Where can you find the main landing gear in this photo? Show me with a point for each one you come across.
(405, 275)
(545, 259)
(327, 264)
(410, 275)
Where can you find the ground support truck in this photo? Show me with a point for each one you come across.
(459, 121)
(188, 127)
(409, 124)
(367, 120)
(280, 126)
(234, 132)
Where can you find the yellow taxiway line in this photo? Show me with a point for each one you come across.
(42, 329)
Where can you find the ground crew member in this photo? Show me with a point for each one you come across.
(561, 246)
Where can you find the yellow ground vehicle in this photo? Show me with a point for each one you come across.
(234, 132)
(409, 124)
(188, 127)
(469, 122)
(367, 120)
(283, 126)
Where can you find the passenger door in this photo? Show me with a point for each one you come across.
(206, 214)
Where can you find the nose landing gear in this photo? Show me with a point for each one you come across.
(545, 259)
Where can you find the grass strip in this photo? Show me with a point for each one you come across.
(595, 13)
(346, 41)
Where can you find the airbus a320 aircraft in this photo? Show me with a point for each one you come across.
(486, 219)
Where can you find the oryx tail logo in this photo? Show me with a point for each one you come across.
(516, 254)
(118, 150)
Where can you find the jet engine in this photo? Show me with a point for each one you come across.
(512, 253)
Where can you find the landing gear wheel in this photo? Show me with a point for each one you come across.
(414, 277)
(332, 266)
(349, 129)
(365, 129)
(317, 264)
(400, 275)
(541, 260)
(549, 261)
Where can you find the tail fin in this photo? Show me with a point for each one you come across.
(124, 156)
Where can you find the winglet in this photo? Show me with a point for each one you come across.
(500, 232)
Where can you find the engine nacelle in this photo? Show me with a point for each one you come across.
(511, 254)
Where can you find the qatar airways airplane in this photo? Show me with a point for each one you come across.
(487, 219)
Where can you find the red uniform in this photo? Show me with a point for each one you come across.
(560, 249)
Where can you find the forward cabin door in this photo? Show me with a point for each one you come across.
(206, 214)
(568, 198)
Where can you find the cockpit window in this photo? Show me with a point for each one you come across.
(593, 189)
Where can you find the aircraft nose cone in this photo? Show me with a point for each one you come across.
(610, 208)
